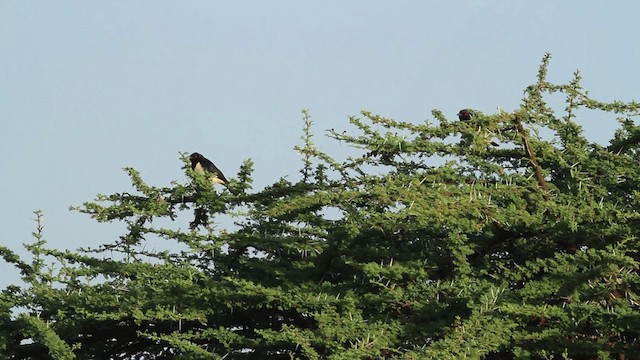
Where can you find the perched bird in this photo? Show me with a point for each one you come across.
(202, 165)
(464, 114)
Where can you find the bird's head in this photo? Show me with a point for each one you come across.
(195, 156)
(464, 114)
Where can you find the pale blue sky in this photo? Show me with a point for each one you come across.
(87, 88)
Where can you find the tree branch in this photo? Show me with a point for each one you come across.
(537, 170)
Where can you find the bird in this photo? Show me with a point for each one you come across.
(202, 165)
(464, 114)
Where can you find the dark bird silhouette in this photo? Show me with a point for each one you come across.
(202, 165)
(464, 114)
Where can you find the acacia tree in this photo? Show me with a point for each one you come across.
(430, 243)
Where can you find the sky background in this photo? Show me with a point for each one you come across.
(87, 88)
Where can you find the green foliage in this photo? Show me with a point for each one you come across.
(429, 244)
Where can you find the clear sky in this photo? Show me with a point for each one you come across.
(89, 87)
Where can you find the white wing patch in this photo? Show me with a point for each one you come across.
(198, 169)
(214, 177)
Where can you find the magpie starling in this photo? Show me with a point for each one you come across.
(202, 165)
(464, 114)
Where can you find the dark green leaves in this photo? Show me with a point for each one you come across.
(427, 242)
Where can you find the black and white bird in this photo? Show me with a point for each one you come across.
(202, 165)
